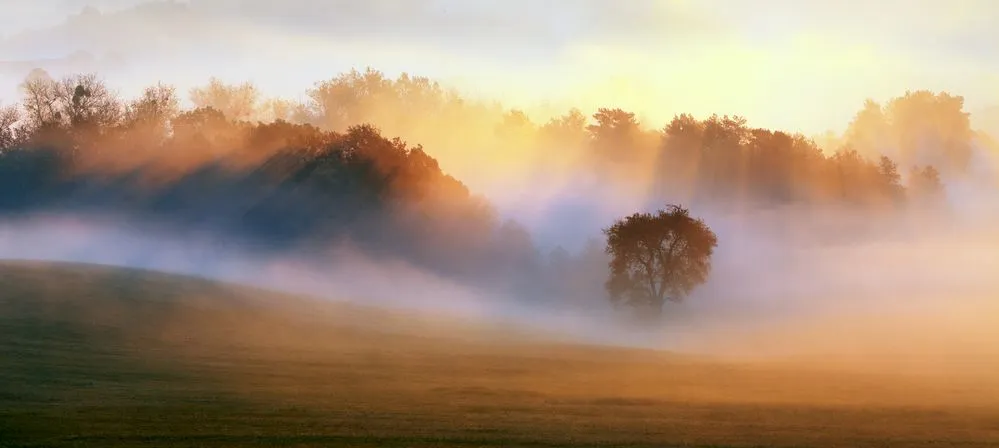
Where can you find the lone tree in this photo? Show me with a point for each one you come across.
(658, 257)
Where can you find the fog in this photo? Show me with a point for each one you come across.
(917, 285)
(913, 292)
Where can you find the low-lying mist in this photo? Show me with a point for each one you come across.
(398, 192)
(918, 291)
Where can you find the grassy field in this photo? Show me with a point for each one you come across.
(93, 356)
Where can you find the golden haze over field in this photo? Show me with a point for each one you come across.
(157, 360)
(565, 223)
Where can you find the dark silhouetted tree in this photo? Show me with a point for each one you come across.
(658, 257)
(88, 105)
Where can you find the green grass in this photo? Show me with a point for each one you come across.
(102, 357)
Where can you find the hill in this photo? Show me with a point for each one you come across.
(99, 356)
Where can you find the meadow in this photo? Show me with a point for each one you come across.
(109, 357)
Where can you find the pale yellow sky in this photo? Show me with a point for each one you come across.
(801, 65)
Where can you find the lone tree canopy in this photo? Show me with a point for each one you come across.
(658, 257)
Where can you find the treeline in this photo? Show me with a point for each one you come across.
(907, 146)
(285, 175)
(888, 154)
(274, 186)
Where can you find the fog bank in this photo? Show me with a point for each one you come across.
(927, 292)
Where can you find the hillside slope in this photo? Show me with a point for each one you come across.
(97, 356)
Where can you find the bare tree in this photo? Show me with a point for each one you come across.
(9, 117)
(41, 100)
(149, 115)
(88, 104)
(237, 102)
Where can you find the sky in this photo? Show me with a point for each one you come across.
(797, 65)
